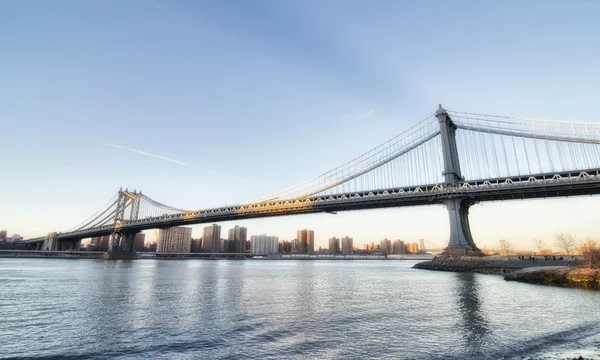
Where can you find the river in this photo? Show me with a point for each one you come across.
(283, 309)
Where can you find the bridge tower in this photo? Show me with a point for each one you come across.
(121, 241)
(461, 241)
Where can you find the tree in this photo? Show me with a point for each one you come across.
(505, 247)
(566, 242)
(539, 244)
(590, 252)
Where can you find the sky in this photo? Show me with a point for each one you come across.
(208, 103)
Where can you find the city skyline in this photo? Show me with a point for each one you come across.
(285, 92)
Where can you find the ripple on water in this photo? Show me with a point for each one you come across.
(282, 309)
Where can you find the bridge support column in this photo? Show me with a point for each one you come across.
(121, 246)
(461, 241)
(51, 243)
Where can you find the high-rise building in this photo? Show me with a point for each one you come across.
(412, 248)
(100, 243)
(285, 246)
(224, 246)
(3, 235)
(306, 241)
(334, 245)
(399, 247)
(237, 239)
(263, 244)
(422, 244)
(211, 238)
(386, 246)
(138, 242)
(175, 239)
(196, 245)
(347, 245)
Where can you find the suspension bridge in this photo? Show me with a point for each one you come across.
(451, 158)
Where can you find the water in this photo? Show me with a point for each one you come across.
(281, 310)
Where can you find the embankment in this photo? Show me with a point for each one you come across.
(584, 278)
(541, 272)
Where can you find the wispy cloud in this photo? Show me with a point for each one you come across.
(366, 115)
(210, 171)
(146, 153)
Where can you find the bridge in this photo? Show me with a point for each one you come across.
(451, 158)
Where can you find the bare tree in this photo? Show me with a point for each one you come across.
(505, 247)
(566, 242)
(539, 244)
(590, 252)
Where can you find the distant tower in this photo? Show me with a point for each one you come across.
(421, 244)
(334, 245)
(237, 239)
(306, 241)
(211, 238)
(347, 245)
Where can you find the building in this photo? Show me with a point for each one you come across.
(14, 238)
(399, 247)
(211, 238)
(285, 246)
(263, 244)
(139, 242)
(196, 245)
(306, 241)
(3, 235)
(237, 239)
(334, 245)
(412, 248)
(99, 243)
(386, 246)
(347, 245)
(175, 239)
(422, 244)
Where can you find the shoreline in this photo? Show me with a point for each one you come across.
(33, 254)
(559, 273)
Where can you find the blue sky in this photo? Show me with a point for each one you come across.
(271, 93)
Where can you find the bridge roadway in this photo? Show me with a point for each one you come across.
(507, 188)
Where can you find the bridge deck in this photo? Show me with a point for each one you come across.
(510, 188)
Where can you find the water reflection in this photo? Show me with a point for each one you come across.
(474, 325)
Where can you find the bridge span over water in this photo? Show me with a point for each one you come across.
(450, 158)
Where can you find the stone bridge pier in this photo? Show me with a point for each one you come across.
(461, 242)
(121, 246)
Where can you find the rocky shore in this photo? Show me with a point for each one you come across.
(564, 276)
(541, 272)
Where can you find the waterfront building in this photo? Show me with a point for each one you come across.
(285, 246)
(264, 244)
(138, 242)
(99, 243)
(334, 245)
(347, 245)
(412, 248)
(399, 247)
(386, 246)
(175, 239)
(211, 238)
(14, 238)
(224, 245)
(237, 239)
(306, 241)
(196, 245)
(3, 235)
(422, 244)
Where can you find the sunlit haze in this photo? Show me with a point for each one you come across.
(204, 104)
